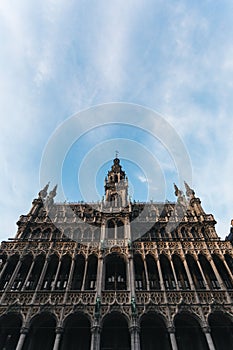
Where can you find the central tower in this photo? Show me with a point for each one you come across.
(116, 185)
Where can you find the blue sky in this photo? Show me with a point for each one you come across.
(61, 57)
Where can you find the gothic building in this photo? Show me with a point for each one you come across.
(116, 275)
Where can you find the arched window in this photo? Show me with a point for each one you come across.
(77, 235)
(115, 275)
(221, 331)
(11, 265)
(140, 278)
(97, 234)
(22, 273)
(153, 273)
(184, 232)
(181, 275)
(41, 333)
(154, 331)
(36, 233)
(10, 325)
(168, 277)
(115, 333)
(222, 271)
(77, 333)
(35, 273)
(91, 276)
(78, 272)
(67, 232)
(50, 272)
(63, 274)
(111, 230)
(189, 334)
(208, 272)
(195, 272)
(120, 229)
(87, 235)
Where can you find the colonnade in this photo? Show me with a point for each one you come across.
(146, 272)
(116, 331)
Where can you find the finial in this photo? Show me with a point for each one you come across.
(189, 192)
(43, 193)
(117, 154)
(177, 191)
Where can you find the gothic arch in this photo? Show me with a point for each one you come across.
(120, 229)
(22, 273)
(34, 276)
(222, 271)
(115, 332)
(77, 332)
(78, 275)
(154, 331)
(50, 272)
(153, 273)
(168, 277)
(181, 275)
(221, 326)
(115, 272)
(189, 334)
(111, 229)
(139, 272)
(12, 262)
(208, 272)
(10, 324)
(91, 275)
(195, 272)
(63, 274)
(41, 333)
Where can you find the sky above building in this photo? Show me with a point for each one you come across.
(62, 57)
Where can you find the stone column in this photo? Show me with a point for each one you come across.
(84, 274)
(146, 274)
(56, 276)
(209, 339)
(95, 337)
(4, 268)
(171, 331)
(134, 335)
(174, 273)
(188, 274)
(131, 274)
(161, 280)
(23, 333)
(59, 331)
(99, 275)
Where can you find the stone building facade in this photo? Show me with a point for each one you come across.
(116, 275)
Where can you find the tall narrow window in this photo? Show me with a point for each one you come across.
(153, 273)
(140, 279)
(63, 274)
(208, 272)
(168, 277)
(78, 272)
(92, 264)
(181, 275)
(115, 277)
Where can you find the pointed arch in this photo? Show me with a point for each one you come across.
(154, 331)
(22, 273)
(195, 272)
(10, 267)
(222, 271)
(64, 271)
(120, 229)
(10, 325)
(36, 272)
(115, 272)
(139, 271)
(50, 272)
(41, 333)
(221, 330)
(153, 273)
(115, 332)
(189, 334)
(78, 274)
(168, 277)
(181, 275)
(77, 333)
(208, 272)
(92, 264)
